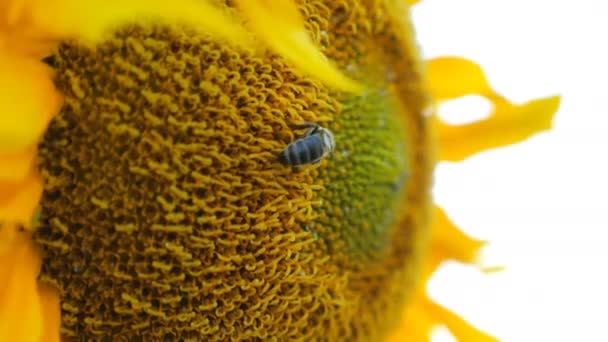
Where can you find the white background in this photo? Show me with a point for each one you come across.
(542, 203)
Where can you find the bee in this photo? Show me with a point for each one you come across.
(316, 144)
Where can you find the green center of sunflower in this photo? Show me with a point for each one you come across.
(364, 182)
(166, 214)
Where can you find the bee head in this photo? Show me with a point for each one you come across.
(329, 142)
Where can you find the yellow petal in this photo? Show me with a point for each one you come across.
(15, 168)
(19, 32)
(8, 233)
(18, 202)
(450, 242)
(508, 124)
(462, 330)
(447, 243)
(51, 313)
(421, 315)
(28, 100)
(416, 324)
(20, 309)
(280, 25)
(452, 77)
(90, 21)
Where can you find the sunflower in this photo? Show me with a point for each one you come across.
(140, 193)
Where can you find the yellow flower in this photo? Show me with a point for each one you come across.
(165, 213)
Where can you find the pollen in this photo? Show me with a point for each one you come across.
(165, 213)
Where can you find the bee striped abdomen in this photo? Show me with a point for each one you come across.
(303, 151)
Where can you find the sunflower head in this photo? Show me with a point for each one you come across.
(164, 211)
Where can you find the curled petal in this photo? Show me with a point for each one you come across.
(90, 21)
(282, 28)
(508, 124)
(452, 77)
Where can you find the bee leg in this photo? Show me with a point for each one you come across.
(296, 169)
(317, 161)
(303, 125)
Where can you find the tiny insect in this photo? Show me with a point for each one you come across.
(316, 144)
